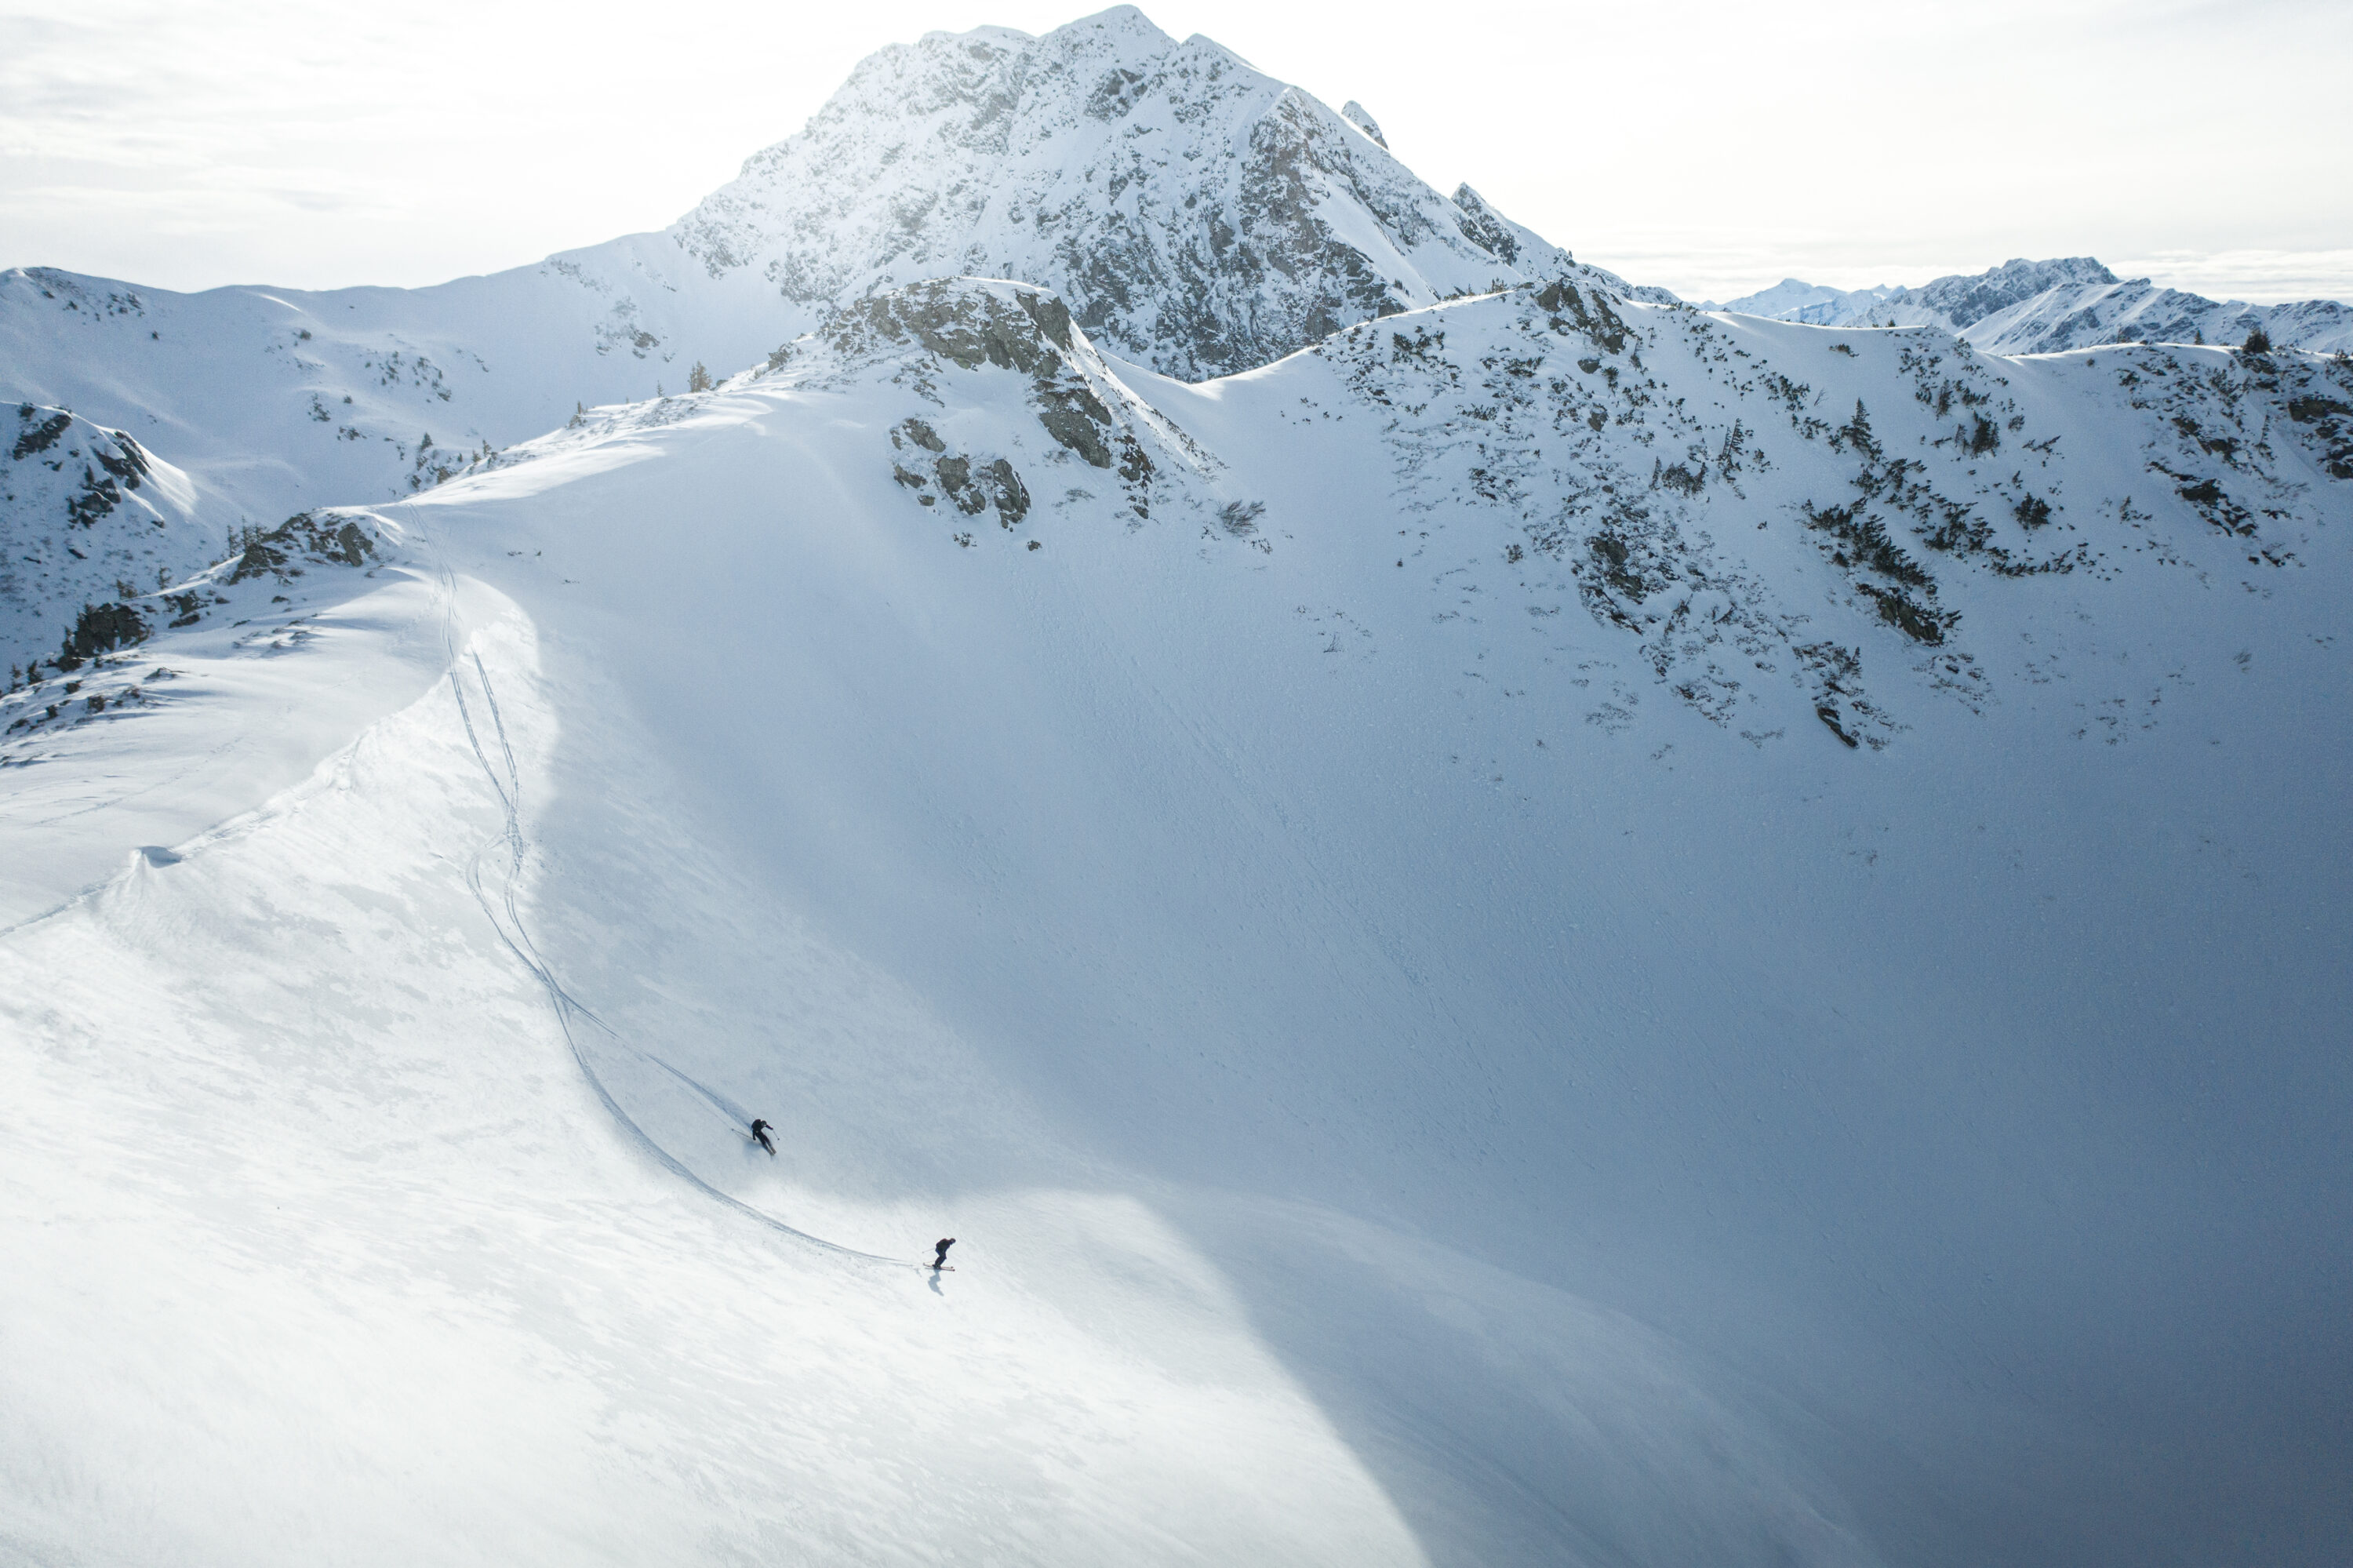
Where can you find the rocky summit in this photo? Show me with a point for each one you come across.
(1198, 216)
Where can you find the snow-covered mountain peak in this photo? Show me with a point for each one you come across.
(2015, 280)
(1199, 215)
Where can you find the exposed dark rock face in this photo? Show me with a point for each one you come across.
(1972, 298)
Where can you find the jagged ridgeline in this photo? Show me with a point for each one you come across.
(1779, 526)
(1163, 204)
(2046, 307)
(1755, 504)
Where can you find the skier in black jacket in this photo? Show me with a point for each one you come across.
(942, 1261)
(760, 1136)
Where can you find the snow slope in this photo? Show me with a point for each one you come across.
(119, 747)
(1558, 930)
(2046, 307)
(275, 400)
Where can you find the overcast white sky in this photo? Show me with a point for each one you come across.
(1711, 146)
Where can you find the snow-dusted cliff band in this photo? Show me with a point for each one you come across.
(1512, 921)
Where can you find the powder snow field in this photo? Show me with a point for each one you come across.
(1449, 1025)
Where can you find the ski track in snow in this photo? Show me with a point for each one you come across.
(516, 935)
(1152, 778)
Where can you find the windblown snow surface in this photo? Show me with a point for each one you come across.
(1556, 929)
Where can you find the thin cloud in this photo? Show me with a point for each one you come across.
(1711, 147)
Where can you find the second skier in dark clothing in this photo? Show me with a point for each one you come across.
(760, 1131)
(942, 1261)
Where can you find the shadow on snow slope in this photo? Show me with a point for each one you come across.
(1916, 1088)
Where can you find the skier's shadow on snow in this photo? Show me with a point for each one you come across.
(935, 1286)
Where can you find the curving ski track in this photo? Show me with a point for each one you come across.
(517, 936)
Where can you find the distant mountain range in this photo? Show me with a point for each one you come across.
(2043, 307)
